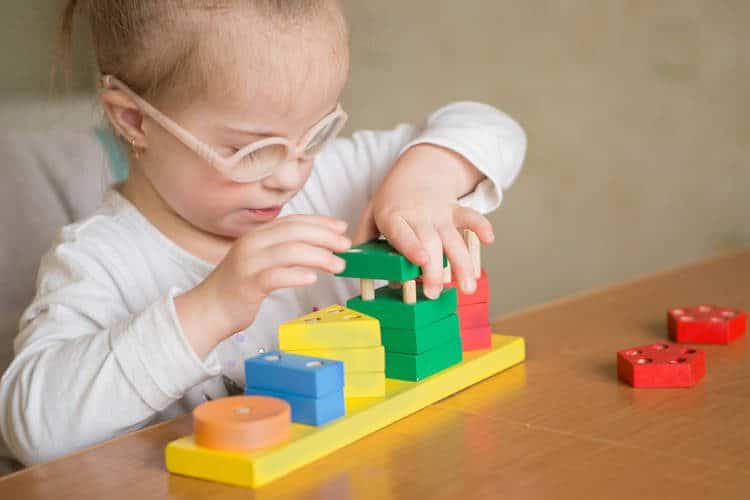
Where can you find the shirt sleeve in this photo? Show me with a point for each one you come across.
(349, 171)
(87, 369)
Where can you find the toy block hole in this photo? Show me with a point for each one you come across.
(728, 314)
(677, 361)
(635, 352)
(660, 347)
(272, 357)
(689, 351)
(314, 364)
(644, 361)
(687, 318)
(242, 410)
(704, 309)
(313, 320)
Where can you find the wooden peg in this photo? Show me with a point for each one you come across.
(394, 285)
(475, 251)
(447, 274)
(367, 288)
(409, 290)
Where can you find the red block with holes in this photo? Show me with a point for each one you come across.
(480, 295)
(661, 365)
(473, 339)
(706, 324)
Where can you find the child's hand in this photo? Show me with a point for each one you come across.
(416, 209)
(280, 254)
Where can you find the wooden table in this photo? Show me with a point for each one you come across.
(560, 426)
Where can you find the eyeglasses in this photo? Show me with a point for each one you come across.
(254, 161)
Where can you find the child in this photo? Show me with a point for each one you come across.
(232, 212)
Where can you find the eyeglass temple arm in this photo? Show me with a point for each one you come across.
(109, 82)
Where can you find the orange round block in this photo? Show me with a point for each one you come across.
(242, 423)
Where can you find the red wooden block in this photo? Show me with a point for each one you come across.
(706, 324)
(480, 295)
(661, 365)
(473, 339)
(473, 315)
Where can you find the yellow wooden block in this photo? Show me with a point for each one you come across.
(335, 327)
(364, 384)
(363, 416)
(361, 359)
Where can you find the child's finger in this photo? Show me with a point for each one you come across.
(402, 237)
(284, 277)
(367, 229)
(432, 271)
(295, 253)
(313, 234)
(462, 266)
(468, 218)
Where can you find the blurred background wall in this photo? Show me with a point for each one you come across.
(637, 112)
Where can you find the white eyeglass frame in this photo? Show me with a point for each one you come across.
(224, 164)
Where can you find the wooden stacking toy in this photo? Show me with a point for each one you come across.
(351, 352)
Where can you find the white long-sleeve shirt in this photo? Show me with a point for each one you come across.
(101, 351)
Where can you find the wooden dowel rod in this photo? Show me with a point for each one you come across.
(410, 292)
(367, 287)
(475, 251)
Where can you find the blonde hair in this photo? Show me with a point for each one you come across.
(149, 43)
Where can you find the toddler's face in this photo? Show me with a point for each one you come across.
(280, 84)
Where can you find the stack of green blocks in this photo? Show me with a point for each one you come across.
(420, 339)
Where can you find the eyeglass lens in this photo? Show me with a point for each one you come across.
(261, 162)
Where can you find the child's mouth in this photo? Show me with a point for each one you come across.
(264, 213)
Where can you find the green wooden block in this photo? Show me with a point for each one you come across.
(422, 339)
(377, 259)
(416, 367)
(389, 308)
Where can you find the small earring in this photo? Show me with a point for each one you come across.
(136, 152)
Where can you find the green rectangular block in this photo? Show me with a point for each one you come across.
(377, 259)
(416, 367)
(422, 339)
(389, 308)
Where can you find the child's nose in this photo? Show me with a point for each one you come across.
(286, 177)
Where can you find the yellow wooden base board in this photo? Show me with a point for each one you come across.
(363, 416)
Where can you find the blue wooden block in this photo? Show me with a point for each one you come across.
(294, 374)
(306, 410)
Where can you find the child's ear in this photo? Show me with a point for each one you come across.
(125, 117)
